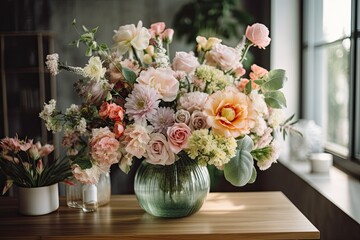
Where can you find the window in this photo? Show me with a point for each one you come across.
(331, 76)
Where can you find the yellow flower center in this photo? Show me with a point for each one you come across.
(228, 113)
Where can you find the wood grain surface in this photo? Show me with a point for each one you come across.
(245, 215)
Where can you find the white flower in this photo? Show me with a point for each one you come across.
(94, 69)
(276, 117)
(81, 127)
(259, 103)
(52, 63)
(130, 36)
(274, 155)
(72, 110)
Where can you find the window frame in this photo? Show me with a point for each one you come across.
(349, 164)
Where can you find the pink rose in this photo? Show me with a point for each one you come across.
(258, 34)
(158, 150)
(167, 35)
(198, 120)
(186, 62)
(163, 80)
(226, 57)
(157, 28)
(182, 116)
(178, 136)
(104, 148)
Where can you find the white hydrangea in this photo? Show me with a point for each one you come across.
(276, 117)
(259, 103)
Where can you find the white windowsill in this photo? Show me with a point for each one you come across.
(338, 187)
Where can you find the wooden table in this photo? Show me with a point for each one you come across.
(246, 215)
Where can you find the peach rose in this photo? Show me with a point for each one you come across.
(186, 62)
(116, 112)
(229, 113)
(178, 136)
(86, 176)
(158, 150)
(244, 81)
(163, 80)
(258, 34)
(104, 110)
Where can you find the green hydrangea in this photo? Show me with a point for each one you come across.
(213, 78)
(209, 148)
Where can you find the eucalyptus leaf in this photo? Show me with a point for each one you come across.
(248, 87)
(275, 99)
(274, 80)
(239, 171)
(129, 75)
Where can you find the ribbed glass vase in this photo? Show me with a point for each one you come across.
(176, 190)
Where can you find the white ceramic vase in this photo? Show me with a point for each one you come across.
(38, 200)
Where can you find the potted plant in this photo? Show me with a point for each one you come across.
(29, 166)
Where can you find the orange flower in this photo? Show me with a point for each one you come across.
(230, 113)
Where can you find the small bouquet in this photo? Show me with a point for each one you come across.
(138, 104)
(27, 164)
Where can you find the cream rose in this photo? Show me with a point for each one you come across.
(186, 62)
(182, 116)
(178, 136)
(258, 34)
(163, 80)
(198, 120)
(158, 150)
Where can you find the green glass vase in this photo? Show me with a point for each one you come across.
(172, 191)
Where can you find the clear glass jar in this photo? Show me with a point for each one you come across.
(176, 190)
(74, 194)
(90, 198)
(74, 197)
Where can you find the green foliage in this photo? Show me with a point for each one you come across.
(287, 127)
(129, 75)
(274, 80)
(210, 18)
(88, 39)
(240, 170)
(275, 99)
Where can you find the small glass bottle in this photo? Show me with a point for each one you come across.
(90, 199)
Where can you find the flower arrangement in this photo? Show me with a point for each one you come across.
(138, 104)
(27, 164)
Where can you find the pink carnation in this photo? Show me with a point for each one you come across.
(104, 148)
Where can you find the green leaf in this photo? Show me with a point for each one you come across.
(259, 82)
(85, 28)
(239, 171)
(129, 75)
(275, 99)
(274, 80)
(94, 30)
(88, 52)
(248, 87)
